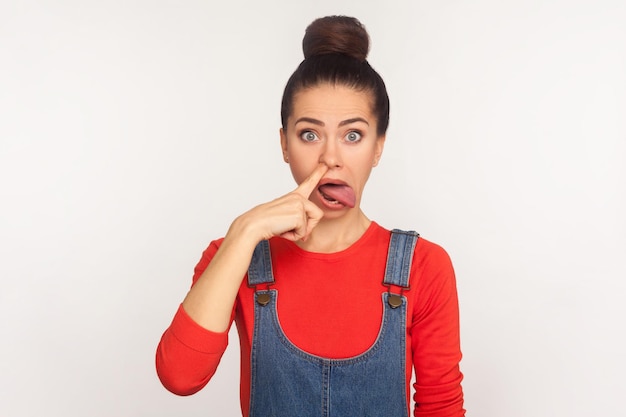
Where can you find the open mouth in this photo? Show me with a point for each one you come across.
(337, 194)
(327, 197)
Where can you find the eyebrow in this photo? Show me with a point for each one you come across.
(342, 123)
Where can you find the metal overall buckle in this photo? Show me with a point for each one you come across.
(393, 299)
(263, 298)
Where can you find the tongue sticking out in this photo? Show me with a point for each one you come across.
(340, 193)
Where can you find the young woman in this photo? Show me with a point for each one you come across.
(333, 311)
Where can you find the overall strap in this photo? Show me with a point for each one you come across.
(260, 269)
(401, 248)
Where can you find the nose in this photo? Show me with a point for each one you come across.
(331, 155)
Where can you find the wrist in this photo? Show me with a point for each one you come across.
(243, 231)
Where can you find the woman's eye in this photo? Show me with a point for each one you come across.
(353, 137)
(308, 136)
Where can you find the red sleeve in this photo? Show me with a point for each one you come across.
(435, 336)
(188, 354)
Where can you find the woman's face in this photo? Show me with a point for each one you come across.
(334, 125)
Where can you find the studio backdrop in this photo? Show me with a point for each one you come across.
(133, 132)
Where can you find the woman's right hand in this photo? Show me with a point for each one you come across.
(292, 216)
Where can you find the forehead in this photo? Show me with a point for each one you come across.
(332, 102)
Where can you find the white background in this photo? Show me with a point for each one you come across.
(133, 132)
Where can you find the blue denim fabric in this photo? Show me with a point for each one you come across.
(288, 382)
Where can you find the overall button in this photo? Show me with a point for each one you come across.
(263, 298)
(394, 300)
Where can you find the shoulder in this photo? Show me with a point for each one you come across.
(428, 253)
(432, 273)
(430, 260)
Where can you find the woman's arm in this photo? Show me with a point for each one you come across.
(192, 346)
(188, 354)
(435, 335)
(210, 301)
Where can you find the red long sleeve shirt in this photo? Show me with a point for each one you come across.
(330, 306)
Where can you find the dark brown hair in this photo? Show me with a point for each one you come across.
(335, 52)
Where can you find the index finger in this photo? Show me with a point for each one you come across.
(307, 186)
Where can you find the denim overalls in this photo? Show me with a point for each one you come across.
(288, 382)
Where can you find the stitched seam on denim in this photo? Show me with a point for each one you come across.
(253, 356)
(260, 268)
(398, 266)
(403, 359)
(326, 370)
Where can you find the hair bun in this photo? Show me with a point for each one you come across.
(336, 35)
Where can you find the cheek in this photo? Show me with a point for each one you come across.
(363, 159)
(302, 156)
(364, 166)
(301, 168)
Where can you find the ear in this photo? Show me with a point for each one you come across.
(283, 144)
(378, 152)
